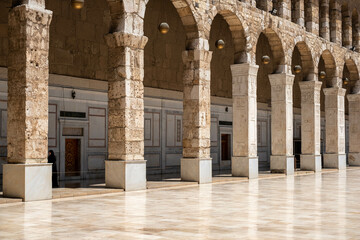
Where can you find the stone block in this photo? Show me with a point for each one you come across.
(282, 164)
(30, 182)
(245, 167)
(310, 163)
(335, 161)
(196, 170)
(127, 175)
(354, 159)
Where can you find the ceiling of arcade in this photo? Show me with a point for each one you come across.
(77, 46)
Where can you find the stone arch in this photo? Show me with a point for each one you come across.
(346, 26)
(237, 31)
(351, 72)
(163, 63)
(302, 51)
(276, 48)
(327, 63)
(301, 56)
(189, 18)
(355, 29)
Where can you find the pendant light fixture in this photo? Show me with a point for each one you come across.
(265, 59)
(77, 4)
(346, 81)
(163, 26)
(297, 69)
(220, 44)
(322, 74)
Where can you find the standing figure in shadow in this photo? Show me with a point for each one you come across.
(52, 159)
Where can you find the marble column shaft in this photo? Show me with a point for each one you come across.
(196, 162)
(354, 129)
(28, 175)
(245, 159)
(310, 125)
(282, 159)
(335, 128)
(126, 167)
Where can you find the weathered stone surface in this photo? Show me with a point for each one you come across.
(28, 84)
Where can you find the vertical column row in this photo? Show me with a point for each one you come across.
(310, 126)
(245, 160)
(126, 167)
(27, 174)
(282, 158)
(354, 129)
(196, 164)
(335, 156)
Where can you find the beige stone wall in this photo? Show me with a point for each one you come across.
(163, 63)
(77, 46)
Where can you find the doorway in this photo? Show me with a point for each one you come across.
(225, 147)
(72, 157)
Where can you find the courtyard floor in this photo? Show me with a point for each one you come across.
(312, 206)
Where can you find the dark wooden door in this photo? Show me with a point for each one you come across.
(72, 157)
(225, 147)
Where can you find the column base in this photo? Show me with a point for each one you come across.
(196, 170)
(31, 182)
(245, 167)
(310, 162)
(334, 160)
(354, 159)
(127, 175)
(282, 164)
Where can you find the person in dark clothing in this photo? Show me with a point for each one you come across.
(52, 159)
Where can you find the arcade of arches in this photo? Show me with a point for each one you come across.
(141, 101)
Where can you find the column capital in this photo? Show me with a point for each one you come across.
(335, 91)
(281, 79)
(244, 69)
(30, 13)
(310, 85)
(354, 97)
(122, 39)
(197, 55)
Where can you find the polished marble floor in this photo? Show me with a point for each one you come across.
(318, 206)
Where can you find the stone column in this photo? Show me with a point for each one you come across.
(298, 12)
(335, 23)
(354, 129)
(245, 160)
(324, 20)
(126, 167)
(284, 7)
(347, 32)
(196, 164)
(265, 5)
(27, 174)
(282, 158)
(312, 16)
(335, 156)
(310, 158)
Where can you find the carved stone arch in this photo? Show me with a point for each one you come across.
(236, 28)
(327, 63)
(302, 51)
(276, 47)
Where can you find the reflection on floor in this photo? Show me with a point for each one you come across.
(87, 187)
(306, 206)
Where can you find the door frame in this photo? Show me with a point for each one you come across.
(229, 131)
(83, 143)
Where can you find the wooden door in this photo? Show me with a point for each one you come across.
(225, 147)
(72, 157)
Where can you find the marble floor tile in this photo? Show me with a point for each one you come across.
(305, 206)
